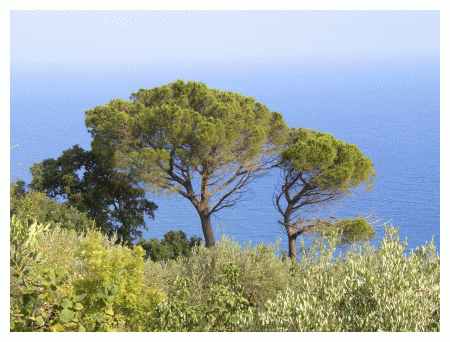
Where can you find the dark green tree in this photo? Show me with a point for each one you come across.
(316, 168)
(174, 244)
(89, 182)
(204, 144)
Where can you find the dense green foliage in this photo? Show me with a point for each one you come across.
(347, 231)
(35, 206)
(174, 244)
(205, 144)
(352, 230)
(61, 280)
(317, 168)
(326, 163)
(88, 181)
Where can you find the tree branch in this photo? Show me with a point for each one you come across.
(235, 190)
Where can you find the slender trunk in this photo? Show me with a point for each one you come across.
(292, 236)
(208, 232)
(292, 246)
(203, 210)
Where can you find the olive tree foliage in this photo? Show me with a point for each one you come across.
(204, 144)
(88, 181)
(316, 168)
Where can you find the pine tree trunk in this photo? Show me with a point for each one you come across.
(208, 232)
(292, 247)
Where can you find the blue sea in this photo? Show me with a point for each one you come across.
(389, 109)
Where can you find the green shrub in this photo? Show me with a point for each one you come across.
(225, 307)
(36, 206)
(262, 273)
(229, 288)
(366, 290)
(96, 286)
(62, 280)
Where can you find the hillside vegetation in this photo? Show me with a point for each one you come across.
(64, 280)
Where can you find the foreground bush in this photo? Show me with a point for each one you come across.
(63, 281)
(368, 290)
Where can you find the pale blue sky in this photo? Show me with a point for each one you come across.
(165, 38)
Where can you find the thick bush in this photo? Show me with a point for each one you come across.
(36, 206)
(224, 307)
(93, 285)
(366, 289)
(62, 280)
(382, 289)
(261, 272)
